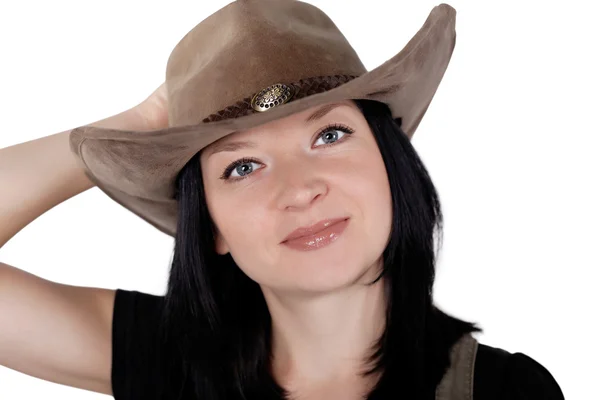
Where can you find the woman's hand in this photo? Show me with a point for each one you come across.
(154, 110)
(52, 175)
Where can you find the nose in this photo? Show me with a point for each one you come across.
(299, 184)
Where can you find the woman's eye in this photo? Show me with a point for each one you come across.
(330, 136)
(241, 167)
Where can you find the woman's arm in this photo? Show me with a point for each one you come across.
(37, 175)
(52, 331)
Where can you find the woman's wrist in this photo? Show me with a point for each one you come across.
(131, 119)
(150, 114)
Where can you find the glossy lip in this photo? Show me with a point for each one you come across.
(313, 229)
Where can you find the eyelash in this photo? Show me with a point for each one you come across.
(346, 129)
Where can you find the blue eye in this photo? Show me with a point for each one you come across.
(330, 133)
(243, 166)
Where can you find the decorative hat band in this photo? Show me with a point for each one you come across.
(279, 93)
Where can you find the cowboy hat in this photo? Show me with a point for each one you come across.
(251, 62)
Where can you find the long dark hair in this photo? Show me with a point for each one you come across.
(216, 327)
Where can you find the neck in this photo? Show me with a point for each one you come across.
(325, 338)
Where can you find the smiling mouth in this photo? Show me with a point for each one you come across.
(317, 237)
(313, 229)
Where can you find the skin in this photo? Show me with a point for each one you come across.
(324, 317)
(46, 326)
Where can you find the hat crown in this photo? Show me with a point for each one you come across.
(249, 45)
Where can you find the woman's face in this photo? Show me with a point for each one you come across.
(294, 174)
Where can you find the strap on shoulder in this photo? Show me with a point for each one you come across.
(457, 382)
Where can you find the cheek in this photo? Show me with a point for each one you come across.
(242, 222)
(367, 177)
(370, 186)
(248, 234)
(236, 216)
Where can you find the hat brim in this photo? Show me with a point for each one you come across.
(138, 169)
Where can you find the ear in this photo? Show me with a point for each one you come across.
(221, 246)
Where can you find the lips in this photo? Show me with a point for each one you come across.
(313, 229)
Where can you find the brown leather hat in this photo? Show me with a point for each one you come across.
(251, 62)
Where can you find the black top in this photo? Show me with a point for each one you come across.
(499, 375)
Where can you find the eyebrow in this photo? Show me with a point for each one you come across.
(235, 146)
(322, 111)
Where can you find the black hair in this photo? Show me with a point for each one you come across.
(216, 327)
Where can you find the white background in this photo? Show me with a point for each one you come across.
(511, 141)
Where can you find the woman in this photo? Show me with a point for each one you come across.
(304, 257)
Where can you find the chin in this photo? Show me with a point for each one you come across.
(322, 278)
